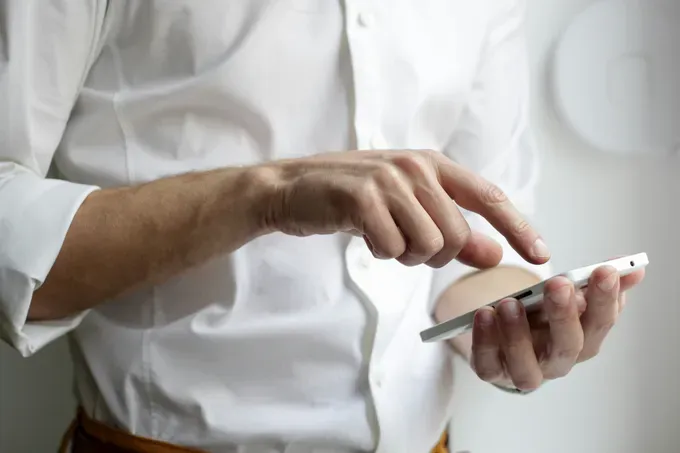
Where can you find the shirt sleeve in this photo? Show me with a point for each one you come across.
(46, 49)
(493, 137)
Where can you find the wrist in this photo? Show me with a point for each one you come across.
(261, 187)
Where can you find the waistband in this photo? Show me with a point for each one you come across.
(86, 435)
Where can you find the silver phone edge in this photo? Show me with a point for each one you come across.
(442, 332)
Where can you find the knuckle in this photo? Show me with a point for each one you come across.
(568, 354)
(559, 316)
(430, 157)
(425, 246)
(415, 163)
(387, 174)
(393, 250)
(515, 348)
(604, 327)
(459, 236)
(521, 227)
(430, 247)
(410, 260)
(491, 194)
(488, 374)
(368, 196)
(557, 373)
(429, 153)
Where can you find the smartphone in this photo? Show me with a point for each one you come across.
(530, 297)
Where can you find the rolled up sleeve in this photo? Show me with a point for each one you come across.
(46, 49)
(493, 136)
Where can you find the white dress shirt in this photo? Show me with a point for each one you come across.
(288, 344)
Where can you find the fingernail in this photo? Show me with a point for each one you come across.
(540, 249)
(560, 297)
(485, 317)
(509, 309)
(609, 283)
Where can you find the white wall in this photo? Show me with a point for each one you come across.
(36, 402)
(593, 206)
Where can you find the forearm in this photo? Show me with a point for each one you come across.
(476, 290)
(125, 237)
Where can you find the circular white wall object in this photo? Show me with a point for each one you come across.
(616, 76)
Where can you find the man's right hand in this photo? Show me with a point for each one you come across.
(404, 203)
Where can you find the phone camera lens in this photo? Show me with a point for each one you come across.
(632, 264)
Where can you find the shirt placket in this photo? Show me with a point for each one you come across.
(362, 26)
(362, 23)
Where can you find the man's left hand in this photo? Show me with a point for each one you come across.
(511, 349)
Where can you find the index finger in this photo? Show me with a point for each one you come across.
(476, 194)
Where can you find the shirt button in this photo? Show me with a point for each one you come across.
(366, 20)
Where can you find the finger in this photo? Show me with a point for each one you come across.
(566, 334)
(485, 347)
(423, 238)
(381, 234)
(581, 303)
(517, 346)
(445, 214)
(477, 250)
(480, 252)
(622, 302)
(631, 280)
(601, 311)
(474, 193)
(538, 317)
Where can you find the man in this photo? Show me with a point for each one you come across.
(234, 280)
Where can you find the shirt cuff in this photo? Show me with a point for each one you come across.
(454, 271)
(35, 215)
